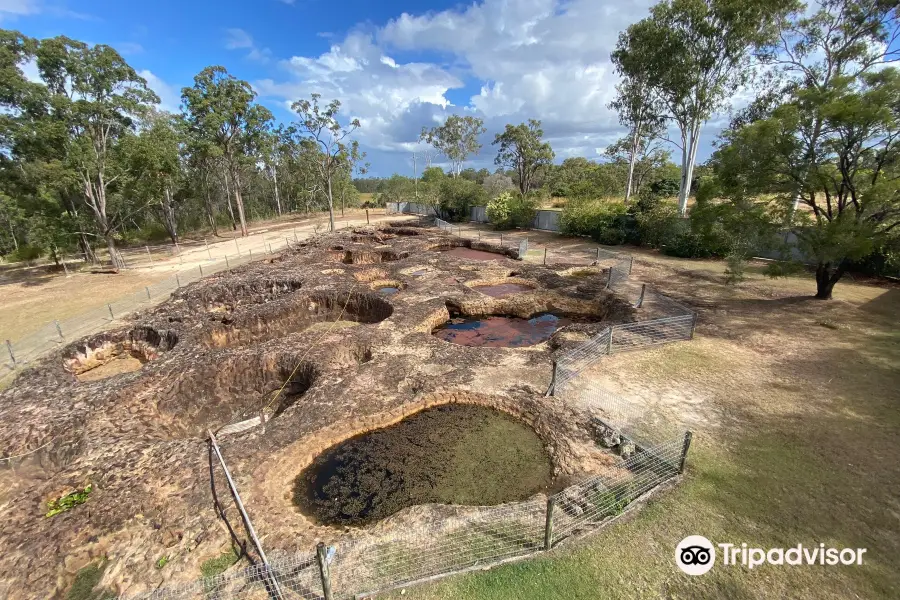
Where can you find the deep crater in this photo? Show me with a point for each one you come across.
(451, 454)
(109, 354)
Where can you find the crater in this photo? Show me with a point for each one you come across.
(451, 454)
(500, 331)
(501, 290)
(226, 297)
(110, 354)
(298, 315)
(472, 254)
(232, 389)
(387, 287)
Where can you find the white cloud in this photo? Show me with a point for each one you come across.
(237, 38)
(18, 8)
(169, 97)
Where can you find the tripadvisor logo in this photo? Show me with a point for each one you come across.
(695, 555)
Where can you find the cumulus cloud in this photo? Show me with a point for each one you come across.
(238, 39)
(169, 97)
(543, 59)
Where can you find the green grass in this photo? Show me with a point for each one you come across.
(218, 565)
(86, 580)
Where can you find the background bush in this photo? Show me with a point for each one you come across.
(510, 210)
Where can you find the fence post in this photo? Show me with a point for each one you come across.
(551, 391)
(598, 254)
(208, 253)
(201, 270)
(58, 329)
(693, 325)
(688, 436)
(323, 570)
(109, 306)
(227, 266)
(177, 280)
(548, 524)
(501, 239)
(609, 278)
(631, 264)
(545, 256)
(640, 301)
(295, 235)
(609, 342)
(148, 291)
(367, 216)
(150, 256)
(236, 246)
(251, 255)
(11, 355)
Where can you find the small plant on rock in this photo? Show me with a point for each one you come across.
(68, 502)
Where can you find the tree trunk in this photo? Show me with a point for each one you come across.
(230, 205)
(826, 278)
(330, 205)
(12, 233)
(111, 247)
(210, 207)
(687, 168)
(239, 202)
(169, 222)
(277, 197)
(631, 161)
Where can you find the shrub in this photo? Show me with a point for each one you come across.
(659, 225)
(510, 210)
(496, 184)
(457, 196)
(25, 253)
(605, 222)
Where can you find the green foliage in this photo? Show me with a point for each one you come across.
(25, 253)
(522, 150)
(510, 210)
(162, 562)
(456, 196)
(496, 184)
(68, 502)
(456, 139)
(660, 225)
(86, 580)
(603, 221)
(218, 565)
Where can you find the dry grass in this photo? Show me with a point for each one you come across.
(796, 441)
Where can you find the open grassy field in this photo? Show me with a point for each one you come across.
(795, 406)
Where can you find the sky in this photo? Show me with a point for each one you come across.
(396, 66)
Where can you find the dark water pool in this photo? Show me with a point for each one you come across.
(451, 454)
(502, 289)
(388, 291)
(463, 252)
(499, 331)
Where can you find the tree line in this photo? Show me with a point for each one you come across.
(87, 157)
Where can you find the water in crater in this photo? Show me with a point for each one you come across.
(502, 290)
(451, 454)
(463, 252)
(388, 291)
(499, 331)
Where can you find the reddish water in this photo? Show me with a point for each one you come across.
(502, 289)
(500, 332)
(463, 252)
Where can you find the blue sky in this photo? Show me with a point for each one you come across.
(397, 66)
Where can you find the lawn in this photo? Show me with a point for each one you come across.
(794, 406)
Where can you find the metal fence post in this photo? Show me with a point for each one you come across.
(236, 246)
(688, 436)
(109, 306)
(545, 256)
(631, 264)
(201, 270)
(367, 217)
(609, 278)
(551, 391)
(11, 355)
(208, 253)
(501, 239)
(177, 280)
(598, 254)
(640, 301)
(251, 255)
(227, 266)
(147, 288)
(58, 329)
(150, 256)
(609, 342)
(548, 524)
(693, 325)
(323, 570)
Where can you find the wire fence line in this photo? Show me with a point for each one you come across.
(59, 332)
(647, 451)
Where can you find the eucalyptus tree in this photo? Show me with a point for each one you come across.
(691, 56)
(833, 143)
(522, 150)
(456, 139)
(334, 151)
(220, 109)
